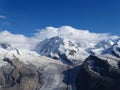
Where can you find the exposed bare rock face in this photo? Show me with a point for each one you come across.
(18, 76)
(97, 74)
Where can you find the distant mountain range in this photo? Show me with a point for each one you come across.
(62, 58)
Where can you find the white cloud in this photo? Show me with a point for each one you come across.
(71, 33)
(2, 17)
(4, 23)
(22, 42)
(48, 32)
(17, 40)
(84, 37)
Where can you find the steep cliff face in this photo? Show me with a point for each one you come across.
(18, 76)
(97, 74)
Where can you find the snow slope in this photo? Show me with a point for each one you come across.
(68, 43)
(58, 50)
(50, 69)
(72, 44)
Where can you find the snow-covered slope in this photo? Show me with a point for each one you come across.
(67, 44)
(72, 44)
(52, 57)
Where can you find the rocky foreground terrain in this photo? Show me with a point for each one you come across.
(97, 74)
(94, 74)
(18, 76)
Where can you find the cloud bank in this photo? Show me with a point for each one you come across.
(17, 40)
(2, 17)
(22, 42)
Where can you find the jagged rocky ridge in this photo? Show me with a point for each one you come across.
(33, 68)
(97, 74)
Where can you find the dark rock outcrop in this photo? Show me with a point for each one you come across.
(5, 45)
(97, 74)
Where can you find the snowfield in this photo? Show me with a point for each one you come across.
(56, 52)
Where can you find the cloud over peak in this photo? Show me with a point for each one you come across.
(66, 32)
(71, 33)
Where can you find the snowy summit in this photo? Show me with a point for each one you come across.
(55, 51)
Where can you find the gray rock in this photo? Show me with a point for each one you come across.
(19, 76)
(97, 74)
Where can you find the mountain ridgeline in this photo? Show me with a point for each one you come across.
(60, 59)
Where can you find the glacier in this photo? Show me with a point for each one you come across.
(56, 57)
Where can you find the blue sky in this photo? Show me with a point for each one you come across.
(25, 16)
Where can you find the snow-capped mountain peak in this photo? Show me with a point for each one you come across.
(27, 57)
(74, 44)
(49, 46)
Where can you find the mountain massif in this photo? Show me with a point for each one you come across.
(62, 58)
